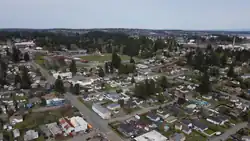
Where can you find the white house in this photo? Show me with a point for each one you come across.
(79, 124)
(101, 111)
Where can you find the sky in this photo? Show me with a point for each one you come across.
(144, 14)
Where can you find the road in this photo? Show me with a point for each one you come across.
(229, 132)
(91, 117)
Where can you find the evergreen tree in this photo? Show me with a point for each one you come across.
(71, 88)
(26, 56)
(72, 67)
(231, 72)
(17, 79)
(223, 60)
(106, 67)
(26, 82)
(132, 80)
(132, 60)
(163, 82)
(121, 102)
(16, 54)
(101, 72)
(59, 87)
(205, 85)
(77, 89)
(116, 60)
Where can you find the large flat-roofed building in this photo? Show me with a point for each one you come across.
(104, 113)
(151, 136)
(79, 124)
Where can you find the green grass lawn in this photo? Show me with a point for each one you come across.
(209, 131)
(39, 60)
(33, 120)
(195, 136)
(105, 57)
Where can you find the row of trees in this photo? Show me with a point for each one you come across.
(103, 41)
(150, 87)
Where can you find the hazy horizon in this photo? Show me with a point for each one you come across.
(140, 14)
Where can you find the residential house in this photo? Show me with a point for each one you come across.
(197, 125)
(178, 137)
(45, 131)
(126, 129)
(53, 100)
(218, 120)
(30, 135)
(16, 133)
(114, 106)
(66, 126)
(54, 129)
(245, 138)
(184, 128)
(101, 111)
(113, 97)
(35, 100)
(15, 118)
(163, 114)
(187, 122)
(171, 119)
(153, 117)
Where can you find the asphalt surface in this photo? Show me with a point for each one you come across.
(229, 132)
(91, 117)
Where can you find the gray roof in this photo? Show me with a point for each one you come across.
(199, 124)
(100, 108)
(45, 130)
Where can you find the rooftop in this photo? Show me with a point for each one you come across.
(151, 136)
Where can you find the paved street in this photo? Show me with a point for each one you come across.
(229, 132)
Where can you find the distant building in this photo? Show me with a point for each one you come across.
(25, 44)
(101, 111)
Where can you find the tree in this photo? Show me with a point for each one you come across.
(101, 72)
(121, 102)
(132, 61)
(214, 71)
(77, 89)
(106, 67)
(72, 67)
(231, 72)
(16, 54)
(71, 88)
(59, 87)
(163, 82)
(205, 85)
(26, 82)
(132, 80)
(26, 56)
(17, 79)
(116, 60)
(223, 59)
